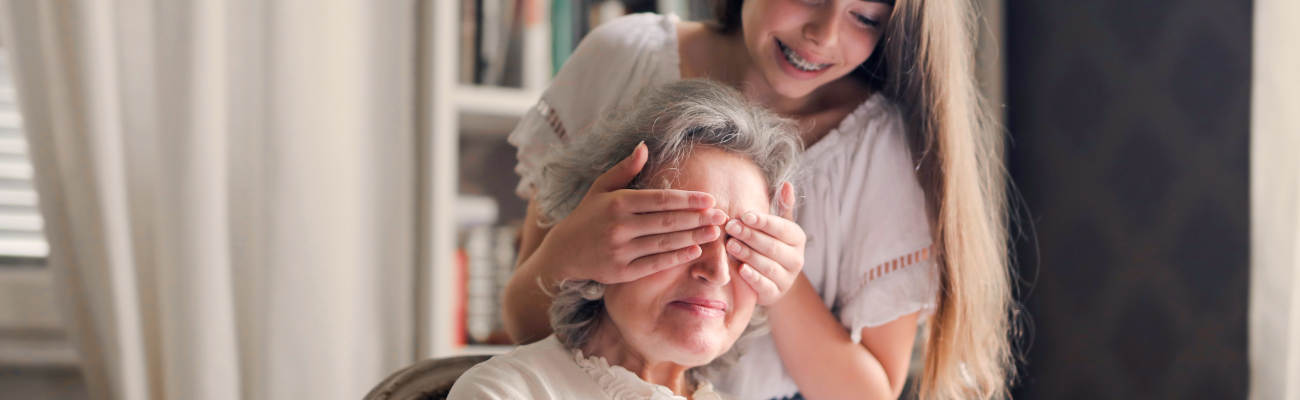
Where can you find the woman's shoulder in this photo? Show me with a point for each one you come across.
(631, 48)
(620, 49)
(615, 61)
(537, 355)
(633, 28)
(632, 32)
(625, 44)
(518, 373)
(611, 65)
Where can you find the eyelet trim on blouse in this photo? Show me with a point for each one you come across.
(900, 262)
(552, 118)
(621, 384)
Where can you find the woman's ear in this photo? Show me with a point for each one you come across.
(787, 201)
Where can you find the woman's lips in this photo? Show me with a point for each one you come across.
(790, 69)
(702, 307)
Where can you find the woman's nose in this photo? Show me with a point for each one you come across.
(713, 266)
(823, 29)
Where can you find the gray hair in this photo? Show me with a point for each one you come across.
(671, 119)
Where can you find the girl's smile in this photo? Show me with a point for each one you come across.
(797, 61)
(798, 46)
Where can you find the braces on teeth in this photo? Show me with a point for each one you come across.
(799, 62)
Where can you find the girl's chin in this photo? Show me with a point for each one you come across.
(790, 88)
(793, 90)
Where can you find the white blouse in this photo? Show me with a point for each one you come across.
(868, 250)
(546, 371)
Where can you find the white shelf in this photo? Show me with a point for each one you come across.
(495, 101)
(496, 127)
(460, 111)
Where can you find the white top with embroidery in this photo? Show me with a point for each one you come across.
(860, 202)
(621, 384)
(546, 371)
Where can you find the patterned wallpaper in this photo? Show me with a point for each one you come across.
(1130, 122)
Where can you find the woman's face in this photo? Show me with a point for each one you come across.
(800, 45)
(694, 312)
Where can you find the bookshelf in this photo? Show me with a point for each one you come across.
(460, 114)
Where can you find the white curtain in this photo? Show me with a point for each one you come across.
(229, 189)
(1275, 202)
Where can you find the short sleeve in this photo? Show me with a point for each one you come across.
(532, 138)
(610, 66)
(888, 268)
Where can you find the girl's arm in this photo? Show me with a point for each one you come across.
(524, 304)
(825, 363)
(817, 351)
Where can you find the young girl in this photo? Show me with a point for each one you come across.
(901, 208)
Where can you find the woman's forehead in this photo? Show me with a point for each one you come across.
(734, 181)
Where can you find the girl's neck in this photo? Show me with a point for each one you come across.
(607, 343)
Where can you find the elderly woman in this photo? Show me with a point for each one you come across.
(664, 335)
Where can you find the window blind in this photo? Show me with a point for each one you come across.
(21, 225)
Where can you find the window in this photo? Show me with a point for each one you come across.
(20, 218)
(36, 358)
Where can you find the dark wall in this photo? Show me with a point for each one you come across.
(1130, 126)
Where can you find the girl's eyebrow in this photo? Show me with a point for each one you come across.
(885, 2)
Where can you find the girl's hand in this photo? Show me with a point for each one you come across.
(618, 235)
(771, 248)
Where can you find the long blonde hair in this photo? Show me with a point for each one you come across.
(930, 48)
(925, 63)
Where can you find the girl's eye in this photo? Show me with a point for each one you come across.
(867, 21)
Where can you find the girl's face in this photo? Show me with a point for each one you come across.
(800, 45)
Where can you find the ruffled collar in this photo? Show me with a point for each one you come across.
(621, 384)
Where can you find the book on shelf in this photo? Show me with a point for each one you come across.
(492, 34)
(486, 260)
(489, 255)
(562, 33)
(498, 24)
(480, 294)
(491, 41)
(459, 264)
(468, 41)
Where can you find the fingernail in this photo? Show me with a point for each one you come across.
(693, 252)
(750, 218)
(733, 227)
(717, 217)
(711, 234)
(747, 271)
(733, 246)
(628, 159)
